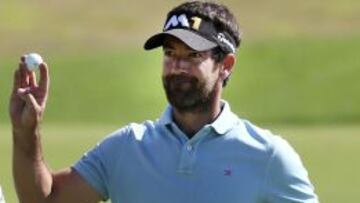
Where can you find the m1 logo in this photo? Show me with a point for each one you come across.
(183, 21)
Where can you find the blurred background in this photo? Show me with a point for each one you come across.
(297, 74)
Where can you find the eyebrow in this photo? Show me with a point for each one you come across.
(167, 45)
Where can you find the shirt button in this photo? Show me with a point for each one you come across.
(189, 148)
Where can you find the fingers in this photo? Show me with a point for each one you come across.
(24, 78)
(25, 95)
(23, 91)
(44, 81)
(17, 80)
(20, 78)
(30, 74)
(32, 79)
(25, 74)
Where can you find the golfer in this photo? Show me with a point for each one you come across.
(198, 151)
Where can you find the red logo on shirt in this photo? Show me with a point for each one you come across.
(227, 171)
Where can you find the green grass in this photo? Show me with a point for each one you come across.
(68, 26)
(298, 65)
(298, 62)
(63, 145)
(298, 81)
(279, 81)
(329, 153)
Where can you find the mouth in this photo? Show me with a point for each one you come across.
(180, 82)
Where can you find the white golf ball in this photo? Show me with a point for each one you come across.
(33, 60)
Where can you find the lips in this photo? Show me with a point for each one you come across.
(180, 82)
(186, 93)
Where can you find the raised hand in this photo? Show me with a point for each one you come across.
(28, 98)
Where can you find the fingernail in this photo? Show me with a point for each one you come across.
(25, 90)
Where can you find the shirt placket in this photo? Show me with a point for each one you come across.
(187, 159)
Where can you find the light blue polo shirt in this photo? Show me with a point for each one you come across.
(227, 161)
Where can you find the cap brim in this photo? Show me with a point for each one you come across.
(190, 38)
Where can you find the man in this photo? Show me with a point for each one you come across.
(198, 151)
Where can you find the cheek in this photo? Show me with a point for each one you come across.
(167, 65)
(209, 71)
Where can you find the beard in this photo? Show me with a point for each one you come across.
(188, 94)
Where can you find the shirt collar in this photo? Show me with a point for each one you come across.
(226, 120)
(166, 117)
(223, 123)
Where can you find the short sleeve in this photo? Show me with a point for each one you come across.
(94, 166)
(286, 179)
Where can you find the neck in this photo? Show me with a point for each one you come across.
(191, 122)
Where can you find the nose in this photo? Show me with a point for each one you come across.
(181, 64)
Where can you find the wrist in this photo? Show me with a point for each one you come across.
(25, 131)
(26, 140)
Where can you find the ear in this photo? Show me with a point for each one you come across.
(228, 66)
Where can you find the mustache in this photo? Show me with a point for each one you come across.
(179, 79)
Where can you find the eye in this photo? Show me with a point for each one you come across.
(168, 52)
(195, 55)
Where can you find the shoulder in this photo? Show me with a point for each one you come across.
(260, 137)
(121, 141)
(131, 132)
(274, 144)
(286, 178)
(272, 148)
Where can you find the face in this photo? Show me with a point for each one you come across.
(190, 78)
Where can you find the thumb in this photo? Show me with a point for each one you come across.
(25, 95)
